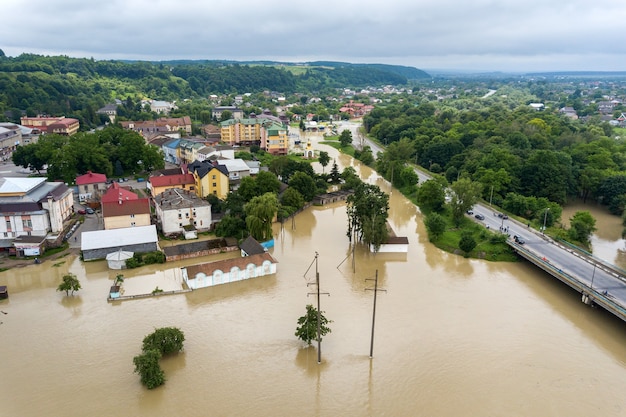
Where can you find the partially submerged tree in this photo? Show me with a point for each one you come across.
(148, 368)
(307, 325)
(367, 214)
(70, 283)
(166, 340)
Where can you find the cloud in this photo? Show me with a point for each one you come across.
(486, 34)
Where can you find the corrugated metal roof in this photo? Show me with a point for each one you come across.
(99, 239)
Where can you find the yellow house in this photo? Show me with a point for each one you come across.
(126, 213)
(210, 179)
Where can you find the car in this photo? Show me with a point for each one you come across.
(518, 240)
(479, 216)
(503, 216)
(470, 212)
(82, 211)
(89, 210)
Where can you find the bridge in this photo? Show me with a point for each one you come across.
(597, 281)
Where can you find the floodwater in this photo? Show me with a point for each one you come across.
(606, 242)
(453, 336)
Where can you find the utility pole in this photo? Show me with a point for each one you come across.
(319, 313)
(375, 289)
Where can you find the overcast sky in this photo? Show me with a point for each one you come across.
(476, 35)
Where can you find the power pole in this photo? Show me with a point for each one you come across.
(375, 289)
(319, 313)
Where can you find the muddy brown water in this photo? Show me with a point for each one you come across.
(453, 336)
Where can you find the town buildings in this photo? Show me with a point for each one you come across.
(46, 124)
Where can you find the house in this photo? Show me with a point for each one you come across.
(179, 210)
(91, 186)
(116, 192)
(158, 184)
(126, 213)
(569, 112)
(10, 139)
(170, 151)
(110, 110)
(537, 106)
(33, 207)
(210, 179)
(99, 243)
(159, 106)
(237, 169)
(250, 246)
(59, 125)
(229, 270)
(235, 112)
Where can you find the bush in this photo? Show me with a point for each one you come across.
(147, 366)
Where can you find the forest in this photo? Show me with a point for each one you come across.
(77, 87)
(518, 155)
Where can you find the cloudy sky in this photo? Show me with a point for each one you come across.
(474, 35)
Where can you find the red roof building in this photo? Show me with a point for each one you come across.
(160, 183)
(91, 186)
(116, 193)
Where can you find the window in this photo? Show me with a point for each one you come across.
(187, 215)
(27, 223)
(214, 176)
(180, 216)
(180, 225)
(8, 224)
(214, 184)
(132, 216)
(132, 224)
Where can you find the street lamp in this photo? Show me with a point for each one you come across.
(593, 275)
(545, 217)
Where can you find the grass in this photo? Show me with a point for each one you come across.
(348, 150)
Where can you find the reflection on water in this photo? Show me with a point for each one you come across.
(454, 336)
(606, 242)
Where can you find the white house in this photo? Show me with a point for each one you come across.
(229, 270)
(99, 243)
(177, 209)
(33, 207)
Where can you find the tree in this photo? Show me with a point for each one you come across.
(260, 212)
(230, 226)
(292, 198)
(165, 340)
(345, 138)
(582, 225)
(70, 283)
(431, 195)
(304, 184)
(307, 325)
(147, 366)
(335, 176)
(467, 242)
(367, 214)
(436, 225)
(465, 193)
(226, 115)
(324, 159)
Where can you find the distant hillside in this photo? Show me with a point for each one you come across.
(410, 73)
(579, 74)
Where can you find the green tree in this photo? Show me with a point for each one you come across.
(267, 182)
(345, 138)
(166, 340)
(260, 212)
(464, 194)
(367, 214)
(304, 184)
(436, 225)
(467, 242)
(292, 198)
(324, 159)
(230, 226)
(335, 176)
(70, 283)
(431, 195)
(148, 368)
(582, 225)
(307, 325)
